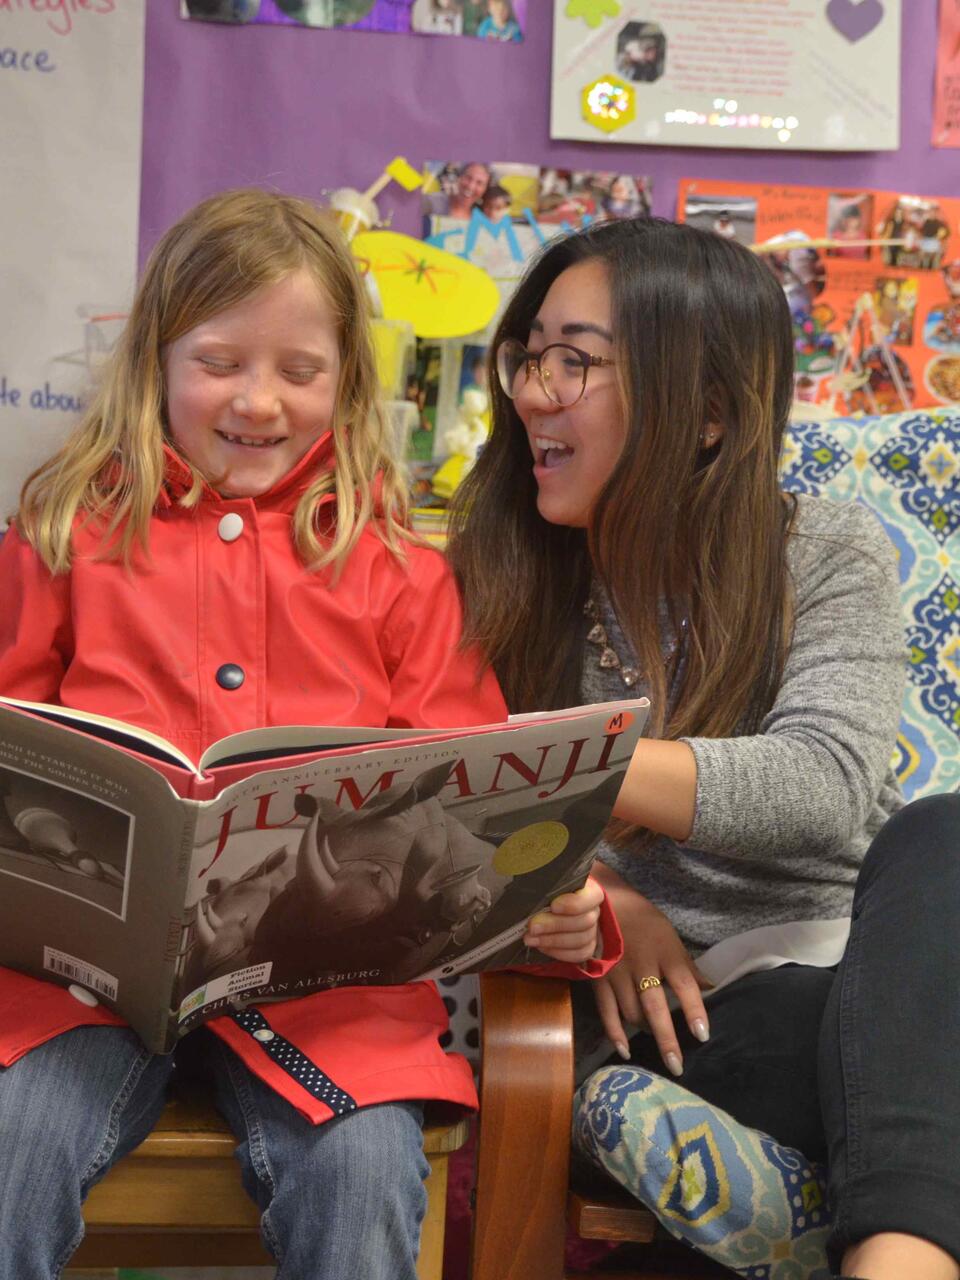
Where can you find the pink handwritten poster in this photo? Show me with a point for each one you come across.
(946, 101)
(71, 77)
(776, 74)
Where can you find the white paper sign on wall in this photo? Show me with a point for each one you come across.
(71, 104)
(815, 75)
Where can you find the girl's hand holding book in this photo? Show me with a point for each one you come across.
(569, 930)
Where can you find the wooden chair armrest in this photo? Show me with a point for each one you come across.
(526, 1103)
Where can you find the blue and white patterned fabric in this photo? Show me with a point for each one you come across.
(733, 1193)
(905, 468)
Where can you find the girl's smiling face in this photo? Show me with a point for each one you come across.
(574, 449)
(250, 390)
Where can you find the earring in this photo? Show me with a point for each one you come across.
(708, 438)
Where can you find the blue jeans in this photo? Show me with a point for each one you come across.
(340, 1199)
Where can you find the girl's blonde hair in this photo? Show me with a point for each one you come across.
(112, 467)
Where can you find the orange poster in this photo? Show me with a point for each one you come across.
(946, 98)
(872, 279)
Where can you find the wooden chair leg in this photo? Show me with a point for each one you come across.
(523, 1153)
(430, 1261)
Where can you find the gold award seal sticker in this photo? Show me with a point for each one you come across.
(530, 848)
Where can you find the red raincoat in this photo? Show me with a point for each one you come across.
(378, 647)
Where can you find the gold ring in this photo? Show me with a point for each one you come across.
(647, 984)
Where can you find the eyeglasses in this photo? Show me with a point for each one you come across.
(562, 369)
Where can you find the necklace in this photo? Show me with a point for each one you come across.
(609, 658)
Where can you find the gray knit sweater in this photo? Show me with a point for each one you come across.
(784, 817)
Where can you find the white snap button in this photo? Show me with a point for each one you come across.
(83, 995)
(264, 1035)
(230, 526)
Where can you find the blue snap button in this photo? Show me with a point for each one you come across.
(230, 676)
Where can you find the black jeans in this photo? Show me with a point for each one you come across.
(861, 1066)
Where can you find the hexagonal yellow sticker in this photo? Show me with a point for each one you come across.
(609, 103)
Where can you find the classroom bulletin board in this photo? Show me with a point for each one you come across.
(310, 110)
(313, 110)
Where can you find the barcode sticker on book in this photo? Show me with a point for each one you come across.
(87, 975)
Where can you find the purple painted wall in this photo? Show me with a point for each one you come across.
(311, 110)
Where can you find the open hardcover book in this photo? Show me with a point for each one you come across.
(291, 859)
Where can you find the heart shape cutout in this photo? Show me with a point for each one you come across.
(855, 19)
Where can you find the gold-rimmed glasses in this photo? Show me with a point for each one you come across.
(562, 369)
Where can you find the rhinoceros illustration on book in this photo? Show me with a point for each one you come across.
(376, 888)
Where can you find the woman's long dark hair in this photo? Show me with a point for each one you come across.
(702, 335)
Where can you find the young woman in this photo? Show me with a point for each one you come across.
(624, 529)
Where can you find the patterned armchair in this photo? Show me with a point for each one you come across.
(708, 1174)
(906, 468)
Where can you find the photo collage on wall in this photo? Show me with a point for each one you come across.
(872, 279)
(501, 21)
(496, 215)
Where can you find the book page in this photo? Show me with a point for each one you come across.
(129, 737)
(278, 741)
(238, 750)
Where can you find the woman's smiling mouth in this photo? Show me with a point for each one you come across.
(550, 453)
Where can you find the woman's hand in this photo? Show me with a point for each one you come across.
(568, 931)
(652, 949)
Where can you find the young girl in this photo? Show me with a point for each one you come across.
(220, 545)
(624, 532)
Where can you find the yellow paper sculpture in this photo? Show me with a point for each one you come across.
(440, 294)
(356, 210)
